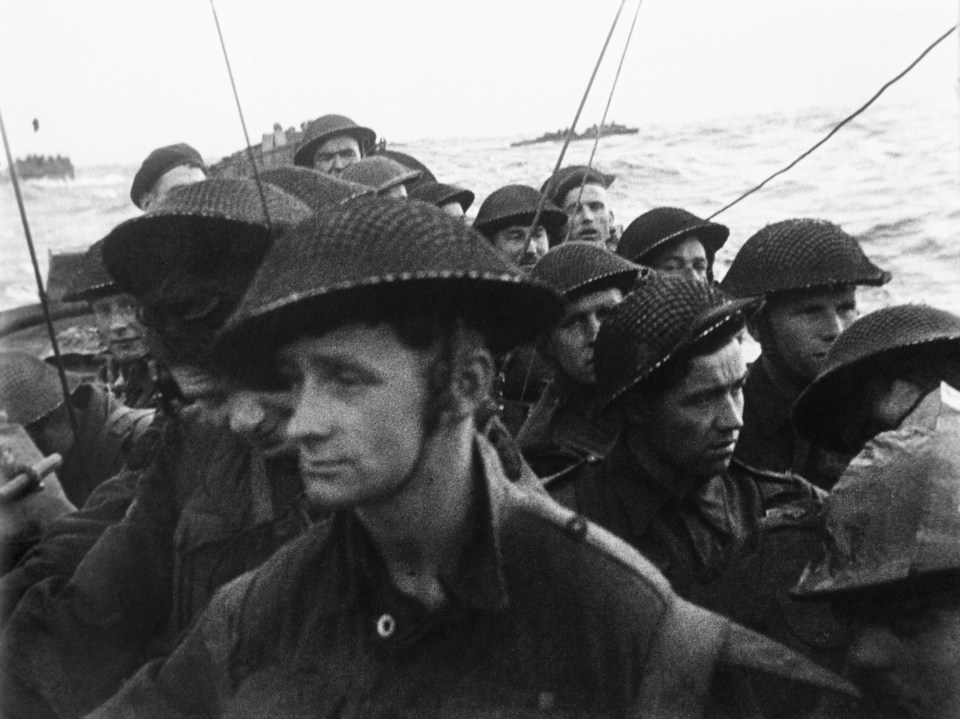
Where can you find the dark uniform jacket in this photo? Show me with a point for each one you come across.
(547, 614)
(68, 539)
(522, 376)
(133, 383)
(691, 538)
(562, 431)
(755, 591)
(768, 440)
(206, 510)
(108, 433)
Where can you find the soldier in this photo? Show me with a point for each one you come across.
(674, 241)
(32, 396)
(451, 199)
(581, 192)
(31, 498)
(69, 538)
(886, 365)
(129, 372)
(437, 586)
(408, 161)
(210, 505)
(892, 567)
(670, 370)
(165, 168)
(876, 373)
(332, 143)
(505, 219)
(562, 431)
(388, 178)
(807, 272)
(312, 187)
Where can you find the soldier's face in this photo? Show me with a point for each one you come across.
(119, 327)
(685, 257)
(359, 396)
(588, 216)
(512, 244)
(804, 326)
(906, 660)
(571, 343)
(337, 154)
(693, 426)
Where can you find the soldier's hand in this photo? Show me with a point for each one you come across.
(31, 498)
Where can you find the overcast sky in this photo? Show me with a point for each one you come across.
(109, 80)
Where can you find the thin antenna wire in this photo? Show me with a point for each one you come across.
(613, 87)
(236, 97)
(44, 300)
(843, 122)
(573, 127)
(603, 120)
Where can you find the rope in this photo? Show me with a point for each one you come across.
(243, 123)
(843, 122)
(613, 87)
(44, 300)
(573, 127)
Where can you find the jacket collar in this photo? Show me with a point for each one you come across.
(477, 582)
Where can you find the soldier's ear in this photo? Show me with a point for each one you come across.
(471, 381)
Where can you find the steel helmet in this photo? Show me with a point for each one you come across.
(660, 319)
(325, 127)
(381, 173)
(439, 194)
(557, 186)
(313, 188)
(517, 205)
(91, 280)
(895, 513)
(381, 253)
(210, 229)
(799, 254)
(30, 388)
(576, 268)
(899, 333)
(652, 230)
(410, 162)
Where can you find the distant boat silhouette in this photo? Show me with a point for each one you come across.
(590, 133)
(34, 167)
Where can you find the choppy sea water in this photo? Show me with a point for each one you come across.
(891, 177)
